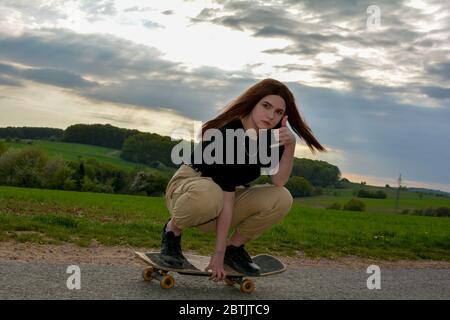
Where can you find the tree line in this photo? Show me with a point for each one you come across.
(32, 167)
(154, 150)
(31, 133)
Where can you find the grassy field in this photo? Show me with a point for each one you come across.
(72, 151)
(408, 200)
(53, 216)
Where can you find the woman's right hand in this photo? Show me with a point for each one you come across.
(216, 266)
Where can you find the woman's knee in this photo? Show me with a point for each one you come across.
(283, 200)
(208, 197)
(204, 199)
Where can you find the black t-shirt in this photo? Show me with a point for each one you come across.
(229, 175)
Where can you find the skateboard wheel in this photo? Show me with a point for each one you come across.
(167, 282)
(147, 274)
(229, 282)
(247, 286)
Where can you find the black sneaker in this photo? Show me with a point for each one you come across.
(171, 249)
(238, 259)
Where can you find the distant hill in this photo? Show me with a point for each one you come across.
(74, 151)
(430, 191)
(149, 149)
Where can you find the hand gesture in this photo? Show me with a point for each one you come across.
(285, 136)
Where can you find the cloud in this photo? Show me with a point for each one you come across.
(137, 9)
(152, 25)
(6, 81)
(36, 11)
(118, 71)
(96, 10)
(92, 54)
(59, 78)
(437, 92)
(439, 69)
(406, 53)
(401, 138)
(168, 12)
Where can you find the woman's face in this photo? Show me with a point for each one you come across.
(268, 112)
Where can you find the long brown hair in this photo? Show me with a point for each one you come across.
(244, 104)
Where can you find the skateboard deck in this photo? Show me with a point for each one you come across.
(195, 266)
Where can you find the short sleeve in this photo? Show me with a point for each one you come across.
(223, 173)
(269, 153)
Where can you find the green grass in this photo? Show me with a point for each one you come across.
(408, 200)
(53, 216)
(72, 151)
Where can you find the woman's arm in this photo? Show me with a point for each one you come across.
(285, 166)
(223, 222)
(223, 225)
(286, 138)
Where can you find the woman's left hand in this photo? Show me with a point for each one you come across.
(286, 137)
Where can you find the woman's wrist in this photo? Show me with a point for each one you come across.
(220, 253)
(290, 147)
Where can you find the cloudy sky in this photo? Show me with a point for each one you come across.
(371, 78)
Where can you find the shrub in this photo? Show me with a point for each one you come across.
(317, 191)
(433, 212)
(149, 182)
(70, 184)
(355, 205)
(367, 194)
(261, 180)
(3, 147)
(56, 172)
(23, 168)
(88, 185)
(442, 212)
(405, 211)
(299, 187)
(335, 206)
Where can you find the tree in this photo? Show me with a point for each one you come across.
(30, 132)
(23, 168)
(104, 135)
(79, 175)
(57, 173)
(299, 187)
(148, 148)
(149, 182)
(318, 173)
(3, 147)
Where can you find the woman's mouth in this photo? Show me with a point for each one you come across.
(266, 123)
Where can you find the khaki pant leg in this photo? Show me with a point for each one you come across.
(191, 199)
(256, 209)
(260, 207)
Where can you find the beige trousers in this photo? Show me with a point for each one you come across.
(196, 201)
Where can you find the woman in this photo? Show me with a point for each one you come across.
(216, 196)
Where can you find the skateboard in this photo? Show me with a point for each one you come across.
(195, 266)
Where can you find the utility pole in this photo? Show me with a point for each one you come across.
(397, 198)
